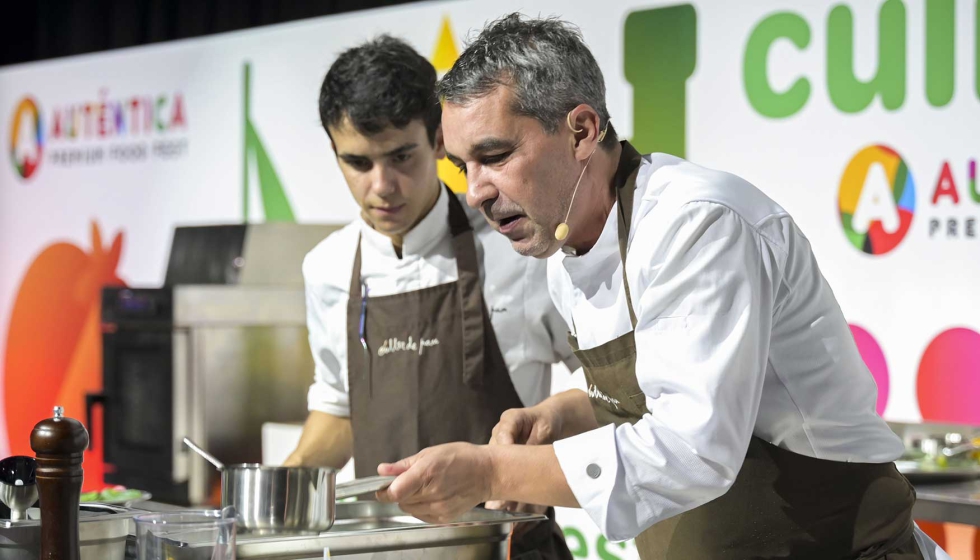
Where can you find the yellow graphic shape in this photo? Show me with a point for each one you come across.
(443, 57)
(445, 53)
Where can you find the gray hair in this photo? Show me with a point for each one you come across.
(544, 61)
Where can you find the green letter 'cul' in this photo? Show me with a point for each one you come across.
(849, 94)
(940, 51)
(755, 73)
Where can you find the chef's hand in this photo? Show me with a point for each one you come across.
(537, 425)
(441, 483)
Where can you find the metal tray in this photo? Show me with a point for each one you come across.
(105, 532)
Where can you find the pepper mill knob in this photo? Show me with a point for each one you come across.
(58, 444)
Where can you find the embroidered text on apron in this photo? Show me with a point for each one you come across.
(782, 504)
(432, 373)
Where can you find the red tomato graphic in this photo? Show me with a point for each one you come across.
(54, 343)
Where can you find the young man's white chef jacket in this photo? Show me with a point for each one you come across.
(737, 334)
(530, 331)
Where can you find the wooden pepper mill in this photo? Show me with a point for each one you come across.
(58, 444)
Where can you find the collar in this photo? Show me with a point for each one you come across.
(629, 160)
(421, 238)
(605, 247)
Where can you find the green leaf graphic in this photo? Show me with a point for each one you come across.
(275, 203)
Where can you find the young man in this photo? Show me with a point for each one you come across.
(425, 327)
(729, 413)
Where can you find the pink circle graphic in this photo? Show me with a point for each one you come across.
(874, 358)
(949, 378)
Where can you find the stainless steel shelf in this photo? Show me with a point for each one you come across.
(955, 502)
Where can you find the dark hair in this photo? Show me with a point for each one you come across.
(546, 64)
(382, 83)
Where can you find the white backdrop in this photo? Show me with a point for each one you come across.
(193, 168)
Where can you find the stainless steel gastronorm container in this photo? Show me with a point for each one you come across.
(372, 530)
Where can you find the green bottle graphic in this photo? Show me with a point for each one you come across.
(275, 204)
(660, 54)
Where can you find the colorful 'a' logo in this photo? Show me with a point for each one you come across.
(26, 138)
(876, 200)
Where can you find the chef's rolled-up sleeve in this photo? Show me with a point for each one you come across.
(326, 320)
(702, 289)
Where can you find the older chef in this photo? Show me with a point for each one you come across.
(728, 412)
(417, 338)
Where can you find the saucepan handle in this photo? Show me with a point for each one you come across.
(207, 456)
(362, 486)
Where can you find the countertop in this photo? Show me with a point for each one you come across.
(953, 502)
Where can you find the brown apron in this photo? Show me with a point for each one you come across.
(782, 504)
(430, 372)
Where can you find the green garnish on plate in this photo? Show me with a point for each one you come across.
(113, 496)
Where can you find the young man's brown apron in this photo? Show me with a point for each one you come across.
(782, 504)
(431, 373)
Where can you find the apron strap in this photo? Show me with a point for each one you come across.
(355, 277)
(356, 319)
(625, 181)
(470, 292)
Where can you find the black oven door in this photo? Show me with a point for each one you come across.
(137, 392)
(137, 384)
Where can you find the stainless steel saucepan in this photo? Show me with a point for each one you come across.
(279, 499)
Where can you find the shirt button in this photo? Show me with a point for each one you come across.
(593, 470)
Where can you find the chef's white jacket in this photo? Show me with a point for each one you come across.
(530, 331)
(738, 334)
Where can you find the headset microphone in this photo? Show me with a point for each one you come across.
(561, 232)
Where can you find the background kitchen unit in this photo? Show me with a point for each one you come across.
(213, 354)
